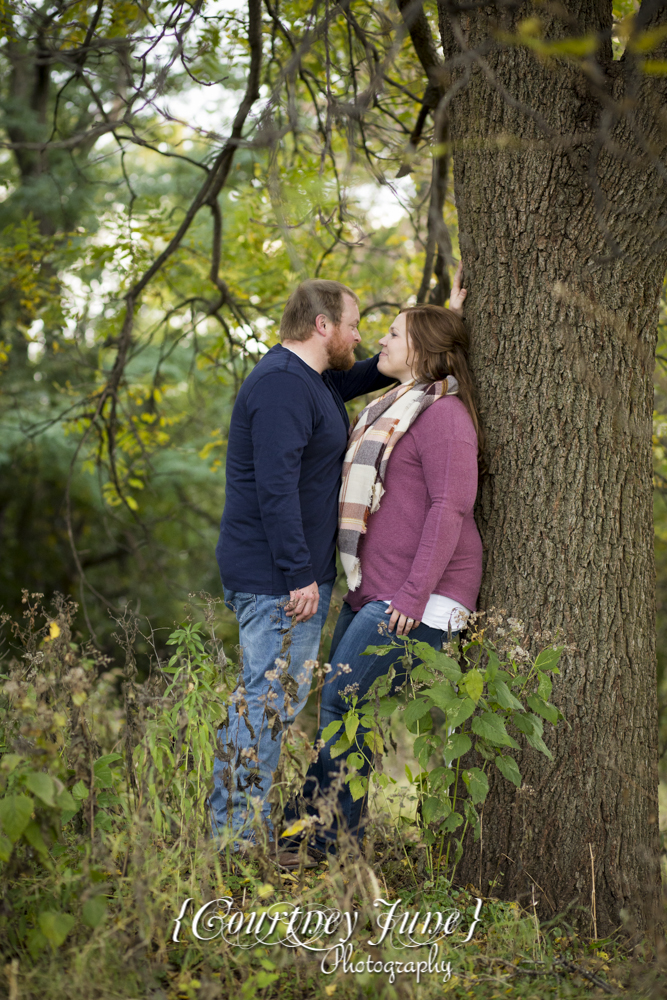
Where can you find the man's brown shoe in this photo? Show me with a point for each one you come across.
(293, 860)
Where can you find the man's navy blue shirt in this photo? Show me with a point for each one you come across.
(287, 441)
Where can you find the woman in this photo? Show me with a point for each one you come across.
(408, 540)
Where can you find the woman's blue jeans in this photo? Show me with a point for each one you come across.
(353, 633)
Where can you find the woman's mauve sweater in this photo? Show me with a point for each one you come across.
(423, 539)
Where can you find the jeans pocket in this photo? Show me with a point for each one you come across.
(243, 605)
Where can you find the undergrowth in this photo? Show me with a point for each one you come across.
(112, 886)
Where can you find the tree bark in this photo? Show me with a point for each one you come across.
(561, 196)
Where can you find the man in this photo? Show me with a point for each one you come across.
(276, 550)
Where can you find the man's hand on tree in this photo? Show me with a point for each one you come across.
(458, 294)
(303, 603)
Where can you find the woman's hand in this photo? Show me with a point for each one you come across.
(402, 622)
(458, 294)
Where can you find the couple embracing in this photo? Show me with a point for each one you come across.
(402, 516)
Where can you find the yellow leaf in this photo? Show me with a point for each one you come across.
(295, 828)
(330, 990)
(654, 67)
(54, 630)
(132, 503)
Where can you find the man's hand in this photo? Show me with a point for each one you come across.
(402, 622)
(458, 294)
(303, 603)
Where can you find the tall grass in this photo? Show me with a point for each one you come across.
(104, 776)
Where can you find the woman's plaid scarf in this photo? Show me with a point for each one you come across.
(372, 439)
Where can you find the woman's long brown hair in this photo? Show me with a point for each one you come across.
(441, 343)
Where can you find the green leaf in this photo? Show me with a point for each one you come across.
(473, 682)
(6, 848)
(358, 787)
(499, 691)
(548, 658)
(94, 911)
(544, 687)
(10, 761)
(422, 673)
(108, 758)
(509, 769)
(452, 822)
(432, 809)
(441, 778)
(543, 708)
(66, 802)
(374, 742)
(15, 813)
(425, 746)
(577, 47)
(492, 666)
(355, 760)
(442, 694)
(446, 665)
(421, 725)
(338, 748)
(41, 785)
(424, 651)
(80, 791)
(103, 821)
(538, 725)
(388, 706)
(415, 710)
(331, 730)
(478, 784)
(459, 711)
(103, 776)
(376, 650)
(524, 723)
(33, 835)
(55, 926)
(107, 800)
(492, 728)
(538, 743)
(483, 750)
(456, 745)
(36, 942)
(351, 725)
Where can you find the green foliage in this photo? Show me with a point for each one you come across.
(490, 700)
(102, 786)
(67, 808)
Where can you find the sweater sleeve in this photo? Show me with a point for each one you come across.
(449, 464)
(361, 378)
(281, 415)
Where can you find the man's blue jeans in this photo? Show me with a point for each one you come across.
(268, 698)
(353, 633)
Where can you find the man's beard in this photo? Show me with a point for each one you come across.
(339, 355)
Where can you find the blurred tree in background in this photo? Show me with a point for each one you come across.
(154, 219)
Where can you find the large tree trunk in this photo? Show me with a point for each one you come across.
(564, 265)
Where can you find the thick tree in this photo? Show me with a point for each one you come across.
(559, 152)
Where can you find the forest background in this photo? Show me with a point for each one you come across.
(168, 173)
(115, 497)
